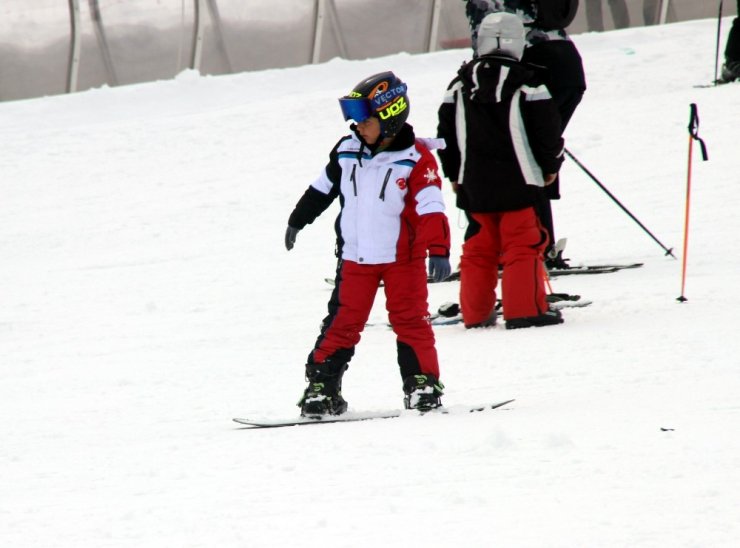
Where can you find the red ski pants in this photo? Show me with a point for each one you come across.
(405, 286)
(517, 240)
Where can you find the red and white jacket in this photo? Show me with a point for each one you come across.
(391, 201)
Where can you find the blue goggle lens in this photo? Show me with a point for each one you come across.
(357, 109)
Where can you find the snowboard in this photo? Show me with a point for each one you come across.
(358, 416)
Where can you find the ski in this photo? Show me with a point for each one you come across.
(714, 84)
(438, 320)
(449, 313)
(559, 305)
(358, 416)
(592, 269)
(557, 297)
(580, 269)
(570, 271)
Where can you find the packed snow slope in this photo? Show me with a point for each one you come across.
(147, 299)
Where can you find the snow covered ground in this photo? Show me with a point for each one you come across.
(146, 299)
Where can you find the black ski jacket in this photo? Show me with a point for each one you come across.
(502, 131)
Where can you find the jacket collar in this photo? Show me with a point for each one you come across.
(403, 140)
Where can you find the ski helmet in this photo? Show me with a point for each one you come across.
(381, 95)
(501, 33)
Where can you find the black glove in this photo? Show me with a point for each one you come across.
(290, 235)
(439, 268)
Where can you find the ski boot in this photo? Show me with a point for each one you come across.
(556, 262)
(323, 396)
(422, 392)
(554, 256)
(551, 317)
(730, 72)
(490, 321)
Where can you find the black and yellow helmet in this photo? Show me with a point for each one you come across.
(382, 95)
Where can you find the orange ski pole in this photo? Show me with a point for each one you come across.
(693, 135)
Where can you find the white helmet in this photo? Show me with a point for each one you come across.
(501, 33)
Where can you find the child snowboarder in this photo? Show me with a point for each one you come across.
(392, 215)
(503, 147)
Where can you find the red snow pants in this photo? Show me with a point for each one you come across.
(405, 286)
(517, 240)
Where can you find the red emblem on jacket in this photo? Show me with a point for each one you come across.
(401, 183)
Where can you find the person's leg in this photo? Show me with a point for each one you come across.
(408, 312)
(472, 228)
(731, 67)
(349, 308)
(523, 241)
(732, 49)
(479, 271)
(405, 286)
(543, 208)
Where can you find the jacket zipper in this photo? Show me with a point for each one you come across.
(352, 178)
(385, 183)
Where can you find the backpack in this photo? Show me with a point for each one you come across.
(555, 14)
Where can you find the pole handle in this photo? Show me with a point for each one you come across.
(694, 131)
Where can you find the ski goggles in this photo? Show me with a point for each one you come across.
(356, 108)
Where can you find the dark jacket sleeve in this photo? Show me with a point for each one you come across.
(449, 156)
(542, 123)
(314, 202)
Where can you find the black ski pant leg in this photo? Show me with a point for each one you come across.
(543, 208)
(349, 308)
(732, 49)
(473, 227)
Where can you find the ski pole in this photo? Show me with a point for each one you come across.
(716, 57)
(546, 278)
(693, 136)
(668, 251)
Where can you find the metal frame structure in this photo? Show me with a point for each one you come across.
(207, 49)
(73, 63)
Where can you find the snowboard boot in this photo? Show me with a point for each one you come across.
(730, 71)
(422, 392)
(551, 317)
(323, 396)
